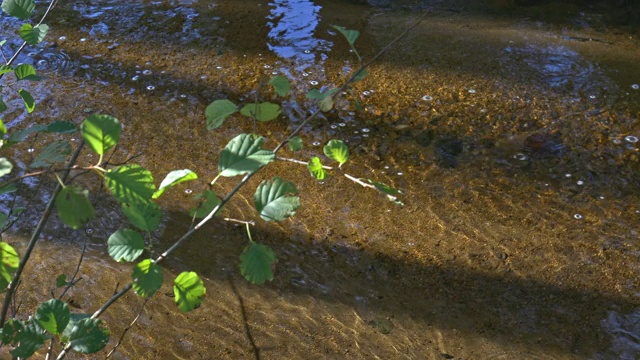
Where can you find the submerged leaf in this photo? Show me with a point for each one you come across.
(275, 199)
(53, 153)
(189, 290)
(264, 111)
(295, 143)
(62, 127)
(256, 262)
(74, 207)
(280, 85)
(217, 112)
(244, 154)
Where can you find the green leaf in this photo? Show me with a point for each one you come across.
(295, 143)
(30, 338)
(29, 103)
(130, 184)
(5, 167)
(19, 136)
(26, 72)
(147, 278)
(33, 35)
(361, 74)
(325, 100)
(53, 316)
(218, 111)
(336, 150)
(207, 201)
(315, 94)
(21, 9)
(145, 216)
(315, 167)
(125, 245)
(275, 200)
(10, 331)
(8, 264)
(5, 69)
(173, 178)
(101, 132)
(74, 206)
(392, 194)
(280, 85)
(61, 281)
(4, 218)
(88, 336)
(73, 321)
(244, 154)
(3, 107)
(189, 290)
(256, 262)
(326, 104)
(53, 153)
(265, 111)
(8, 188)
(62, 127)
(350, 35)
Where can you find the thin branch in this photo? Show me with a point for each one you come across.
(34, 238)
(246, 222)
(301, 162)
(75, 274)
(126, 330)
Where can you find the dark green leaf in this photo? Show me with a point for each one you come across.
(315, 167)
(10, 331)
(315, 94)
(392, 194)
(275, 199)
(26, 72)
(244, 154)
(8, 264)
(361, 74)
(280, 85)
(4, 218)
(74, 207)
(325, 100)
(256, 262)
(61, 280)
(30, 338)
(189, 290)
(62, 127)
(218, 111)
(53, 316)
(265, 111)
(336, 150)
(29, 103)
(173, 178)
(207, 201)
(3, 107)
(350, 35)
(147, 278)
(8, 188)
(130, 184)
(88, 336)
(5, 69)
(101, 132)
(21, 9)
(125, 245)
(19, 136)
(53, 153)
(74, 320)
(326, 104)
(145, 216)
(295, 143)
(5, 167)
(33, 35)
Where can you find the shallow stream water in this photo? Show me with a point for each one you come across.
(510, 130)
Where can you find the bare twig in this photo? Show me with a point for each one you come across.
(126, 330)
(75, 274)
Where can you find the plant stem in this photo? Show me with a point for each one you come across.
(34, 238)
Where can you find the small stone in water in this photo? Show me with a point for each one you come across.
(313, 82)
(400, 173)
(631, 139)
(567, 175)
(577, 216)
(151, 87)
(274, 73)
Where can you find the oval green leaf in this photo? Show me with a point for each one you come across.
(29, 103)
(31, 337)
(144, 216)
(244, 154)
(33, 35)
(207, 201)
(8, 264)
(125, 245)
(280, 85)
(350, 35)
(5, 167)
(295, 143)
(62, 127)
(337, 150)
(74, 207)
(26, 72)
(265, 111)
(5, 69)
(315, 167)
(189, 290)
(218, 111)
(256, 263)
(275, 199)
(89, 336)
(173, 178)
(130, 184)
(53, 316)
(101, 132)
(21, 9)
(147, 278)
(55, 152)
(3, 107)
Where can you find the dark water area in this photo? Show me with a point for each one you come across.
(510, 127)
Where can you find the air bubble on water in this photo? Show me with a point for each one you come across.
(85, 66)
(333, 126)
(631, 139)
(635, 86)
(366, 93)
(365, 130)
(305, 74)
(580, 182)
(546, 184)
(183, 96)
(577, 216)
(616, 141)
(146, 72)
(356, 132)
(188, 191)
(365, 135)
(567, 175)
(151, 87)
(203, 77)
(274, 73)
(472, 91)
(342, 124)
(32, 54)
(321, 182)
(307, 51)
(520, 156)
(400, 173)
(62, 38)
(135, 78)
(83, 39)
(267, 66)
(218, 67)
(351, 113)
(89, 231)
(313, 82)
(601, 197)
(316, 143)
(42, 62)
(592, 97)
(427, 98)
(30, 150)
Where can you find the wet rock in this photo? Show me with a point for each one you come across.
(545, 144)
(447, 151)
